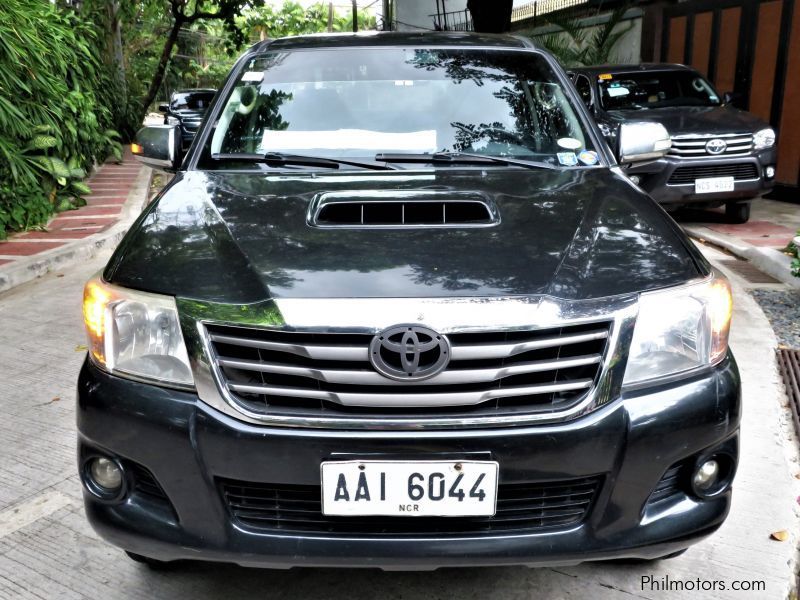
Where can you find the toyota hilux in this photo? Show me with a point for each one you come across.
(720, 155)
(399, 307)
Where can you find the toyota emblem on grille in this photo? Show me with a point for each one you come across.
(716, 146)
(409, 352)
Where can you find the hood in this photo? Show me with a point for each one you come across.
(681, 120)
(243, 237)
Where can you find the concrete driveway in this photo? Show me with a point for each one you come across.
(47, 550)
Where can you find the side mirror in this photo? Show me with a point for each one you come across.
(730, 97)
(163, 107)
(158, 146)
(642, 141)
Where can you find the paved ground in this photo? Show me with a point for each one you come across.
(47, 550)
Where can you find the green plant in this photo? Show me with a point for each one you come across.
(575, 44)
(794, 252)
(55, 111)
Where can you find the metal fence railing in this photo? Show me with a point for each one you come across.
(457, 20)
(537, 8)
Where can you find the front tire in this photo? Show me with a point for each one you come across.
(737, 212)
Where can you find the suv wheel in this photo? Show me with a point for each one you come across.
(737, 212)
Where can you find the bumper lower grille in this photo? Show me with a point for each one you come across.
(687, 175)
(520, 507)
(671, 484)
(539, 370)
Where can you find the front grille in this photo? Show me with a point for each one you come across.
(688, 175)
(520, 507)
(694, 146)
(270, 371)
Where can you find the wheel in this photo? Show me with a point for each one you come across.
(146, 560)
(737, 212)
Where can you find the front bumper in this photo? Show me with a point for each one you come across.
(188, 446)
(656, 178)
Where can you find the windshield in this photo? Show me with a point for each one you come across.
(655, 90)
(191, 100)
(368, 101)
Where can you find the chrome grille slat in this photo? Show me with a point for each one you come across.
(693, 146)
(490, 372)
(451, 377)
(393, 400)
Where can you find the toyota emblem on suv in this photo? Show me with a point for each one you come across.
(716, 146)
(409, 352)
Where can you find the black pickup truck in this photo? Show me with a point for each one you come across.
(399, 307)
(719, 154)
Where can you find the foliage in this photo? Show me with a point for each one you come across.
(55, 120)
(794, 252)
(575, 44)
(292, 19)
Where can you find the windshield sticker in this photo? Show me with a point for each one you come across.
(568, 159)
(570, 143)
(617, 91)
(359, 139)
(606, 77)
(589, 158)
(253, 76)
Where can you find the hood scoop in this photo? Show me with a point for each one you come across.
(399, 209)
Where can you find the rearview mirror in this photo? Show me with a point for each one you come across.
(642, 141)
(158, 146)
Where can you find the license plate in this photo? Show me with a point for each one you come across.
(431, 488)
(712, 185)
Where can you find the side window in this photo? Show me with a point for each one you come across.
(584, 89)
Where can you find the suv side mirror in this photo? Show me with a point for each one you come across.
(158, 146)
(730, 98)
(163, 107)
(641, 141)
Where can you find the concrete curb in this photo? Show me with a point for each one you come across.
(29, 268)
(770, 261)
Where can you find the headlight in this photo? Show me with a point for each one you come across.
(680, 329)
(135, 334)
(764, 139)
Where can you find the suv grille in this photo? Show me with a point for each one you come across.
(687, 175)
(298, 508)
(694, 146)
(514, 371)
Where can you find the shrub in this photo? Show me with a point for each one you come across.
(55, 120)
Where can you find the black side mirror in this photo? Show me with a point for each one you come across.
(163, 107)
(731, 98)
(158, 146)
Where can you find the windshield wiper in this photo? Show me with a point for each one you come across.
(461, 158)
(278, 159)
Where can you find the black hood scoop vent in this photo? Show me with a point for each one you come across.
(398, 209)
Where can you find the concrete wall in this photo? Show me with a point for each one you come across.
(412, 15)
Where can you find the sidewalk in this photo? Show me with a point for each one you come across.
(771, 227)
(119, 192)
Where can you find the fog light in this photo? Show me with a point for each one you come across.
(769, 172)
(106, 474)
(706, 476)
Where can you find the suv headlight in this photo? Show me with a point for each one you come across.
(764, 139)
(679, 330)
(135, 334)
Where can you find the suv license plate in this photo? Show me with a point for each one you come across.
(431, 488)
(712, 185)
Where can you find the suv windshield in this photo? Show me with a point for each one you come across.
(191, 100)
(368, 101)
(656, 89)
